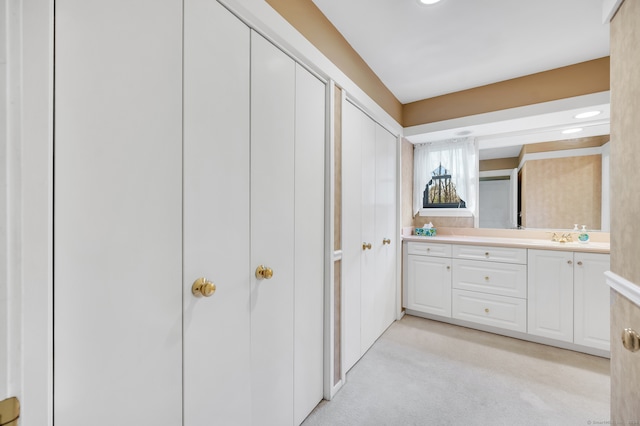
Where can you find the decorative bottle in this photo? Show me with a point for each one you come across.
(584, 236)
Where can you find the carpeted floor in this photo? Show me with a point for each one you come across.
(423, 372)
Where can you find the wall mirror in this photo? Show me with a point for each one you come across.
(544, 166)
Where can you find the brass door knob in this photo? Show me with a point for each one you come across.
(366, 246)
(264, 272)
(203, 287)
(631, 340)
(386, 241)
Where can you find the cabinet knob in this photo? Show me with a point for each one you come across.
(570, 262)
(486, 253)
(386, 241)
(486, 310)
(264, 272)
(203, 287)
(486, 278)
(580, 263)
(366, 246)
(448, 267)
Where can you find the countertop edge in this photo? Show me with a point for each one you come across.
(513, 242)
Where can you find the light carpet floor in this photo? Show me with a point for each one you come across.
(423, 372)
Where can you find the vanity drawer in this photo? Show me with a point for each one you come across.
(506, 279)
(497, 311)
(429, 249)
(495, 254)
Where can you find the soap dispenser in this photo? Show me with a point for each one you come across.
(584, 236)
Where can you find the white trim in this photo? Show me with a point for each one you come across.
(446, 212)
(623, 286)
(399, 311)
(563, 153)
(495, 173)
(609, 9)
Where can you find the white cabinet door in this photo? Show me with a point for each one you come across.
(429, 285)
(272, 231)
(550, 294)
(118, 213)
(309, 243)
(352, 128)
(216, 216)
(591, 305)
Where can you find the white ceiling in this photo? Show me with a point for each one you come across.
(421, 51)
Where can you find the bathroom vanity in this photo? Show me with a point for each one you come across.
(532, 289)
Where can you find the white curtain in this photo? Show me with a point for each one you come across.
(459, 157)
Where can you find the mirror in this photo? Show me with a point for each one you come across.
(562, 177)
(549, 185)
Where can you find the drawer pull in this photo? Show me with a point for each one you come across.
(486, 253)
(486, 278)
(428, 248)
(486, 310)
(448, 267)
(580, 263)
(570, 262)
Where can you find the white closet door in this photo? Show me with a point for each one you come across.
(352, 128)
(272, 232)
(368, 266)
(118, 213)
(381, 312)
(216, 216)
(309, 243)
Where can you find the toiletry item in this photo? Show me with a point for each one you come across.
(584, 236)
(575, 227)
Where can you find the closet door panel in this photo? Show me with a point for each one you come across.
(385, 232)
(216, 216)
(118, 213)
(309, 243)
(368, 315)
(272, 231)
(352, 128)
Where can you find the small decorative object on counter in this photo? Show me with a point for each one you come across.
(584, 236)
(427, 230)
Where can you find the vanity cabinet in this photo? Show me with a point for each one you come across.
(547, 296)
(429, 278)
(568, 298)
(490, 292)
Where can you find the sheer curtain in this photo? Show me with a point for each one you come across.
(459, 157)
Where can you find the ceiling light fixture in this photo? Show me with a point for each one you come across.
(428, 1)
(587, 114)
(568, 131)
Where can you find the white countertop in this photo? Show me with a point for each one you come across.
(590, 247)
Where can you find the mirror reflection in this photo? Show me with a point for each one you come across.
(548, 185)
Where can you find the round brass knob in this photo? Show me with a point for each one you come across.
(486, 253)
(264, 272)
(486, 310)
(366, 246)
(386, 241)
(570, 262)
(631, 340)
(203, 287)
(580, 263)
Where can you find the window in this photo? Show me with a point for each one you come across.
(445, 178)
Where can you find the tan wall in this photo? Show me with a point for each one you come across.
(574, 80)
(560, 192)
(498, 164)
(625, 205)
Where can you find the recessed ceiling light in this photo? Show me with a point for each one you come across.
(428, 1)
(568, 131)
(587, 114)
